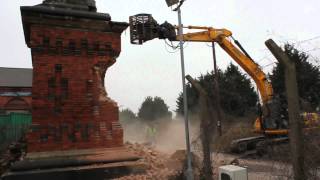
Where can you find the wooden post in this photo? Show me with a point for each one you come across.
(295, 120)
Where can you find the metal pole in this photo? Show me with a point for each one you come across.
(217, 89)
(189, 172)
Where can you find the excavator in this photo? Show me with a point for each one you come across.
(269, 125)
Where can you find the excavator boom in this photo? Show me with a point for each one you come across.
(221, 37)
(265, 123)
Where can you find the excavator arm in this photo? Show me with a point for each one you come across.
(221, 36)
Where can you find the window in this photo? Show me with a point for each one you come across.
(72, 45)
(58, 68)
(44, 138)
(89, 86)
(96, 46)
(51, 82)
(46, 42)
(59, 42)
(51, 87)
(85, 133)
(57, 109)
(108, 47)
(84, 43)
(64, 88)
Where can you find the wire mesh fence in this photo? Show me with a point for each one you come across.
(275, 163)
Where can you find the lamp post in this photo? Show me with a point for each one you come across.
(188, 173)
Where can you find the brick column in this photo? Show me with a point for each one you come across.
(71, 52)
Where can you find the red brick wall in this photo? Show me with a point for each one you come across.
(70, 108)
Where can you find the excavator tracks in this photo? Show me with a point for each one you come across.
(256, 144)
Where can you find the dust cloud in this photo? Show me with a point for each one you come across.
(169, 135)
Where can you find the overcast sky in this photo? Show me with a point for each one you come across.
(152, 69)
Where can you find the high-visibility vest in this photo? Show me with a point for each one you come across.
(151, 131)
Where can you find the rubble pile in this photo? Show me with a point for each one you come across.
(4, 161)
(156, 164)
(14, 152)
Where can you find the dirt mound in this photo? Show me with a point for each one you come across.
(156, 163)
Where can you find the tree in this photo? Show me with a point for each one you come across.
(154, 108)
(127, 115)
(308, 79)
(236, 92)
(238, 95)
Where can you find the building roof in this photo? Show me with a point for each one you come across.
(15, 77)
(87, 5)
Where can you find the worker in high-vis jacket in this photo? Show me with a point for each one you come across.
(151, 133)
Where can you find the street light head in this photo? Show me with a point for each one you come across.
(172, 2)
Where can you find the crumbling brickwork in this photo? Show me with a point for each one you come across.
(70, 107)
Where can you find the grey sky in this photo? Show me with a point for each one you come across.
(150, 70)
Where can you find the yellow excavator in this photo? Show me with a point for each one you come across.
(269, 125)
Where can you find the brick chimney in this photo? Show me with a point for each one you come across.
(72, 47)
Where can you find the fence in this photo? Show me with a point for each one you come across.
(12, 127)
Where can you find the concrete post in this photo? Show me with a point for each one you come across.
(206, 131)
(295, 121)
